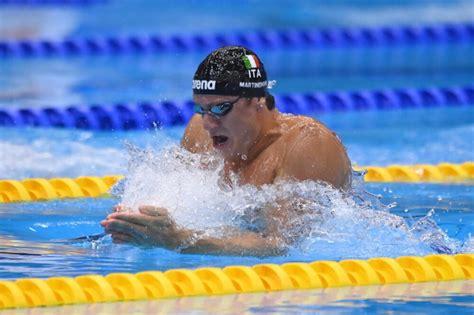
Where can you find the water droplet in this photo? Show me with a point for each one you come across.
(244, 157)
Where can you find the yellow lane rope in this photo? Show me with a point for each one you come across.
(441, 173)
(208, 281)
(92, 186)
(43, 189)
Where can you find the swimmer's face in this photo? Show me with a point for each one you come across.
(234, 133)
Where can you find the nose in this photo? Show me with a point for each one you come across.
(210, 122)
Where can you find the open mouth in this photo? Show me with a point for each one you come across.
(219, 141)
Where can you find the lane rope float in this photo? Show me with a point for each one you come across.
(271, 39)
(440, 173)
(46, 189)
(149, 115)
(210, 281)
(34, 189)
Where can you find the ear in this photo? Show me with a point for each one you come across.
(260, 104)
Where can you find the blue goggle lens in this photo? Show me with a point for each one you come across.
(218, 110)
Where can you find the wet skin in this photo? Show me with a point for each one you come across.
(261, 146)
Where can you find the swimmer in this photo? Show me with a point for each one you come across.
(235, 116)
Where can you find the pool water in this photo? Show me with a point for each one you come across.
(88, 80)
(38, 239)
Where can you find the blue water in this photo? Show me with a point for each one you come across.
(33, 235)
(76, 80)
(87, 80)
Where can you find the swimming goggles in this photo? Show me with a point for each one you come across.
(218, 110)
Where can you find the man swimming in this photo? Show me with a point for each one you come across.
(236, 118)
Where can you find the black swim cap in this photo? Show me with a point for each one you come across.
(231, 70)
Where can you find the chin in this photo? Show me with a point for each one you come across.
(228, 151)
(229, 154)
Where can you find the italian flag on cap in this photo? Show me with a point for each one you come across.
(251, 61)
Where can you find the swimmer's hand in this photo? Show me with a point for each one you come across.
(151, 226)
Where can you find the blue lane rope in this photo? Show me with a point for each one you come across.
(50, 2)
(148, 115)
(389, 35)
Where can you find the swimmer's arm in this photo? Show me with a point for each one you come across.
(272, 241)
(243, 243)
(317, 156)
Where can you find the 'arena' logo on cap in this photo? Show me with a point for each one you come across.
(204, 84)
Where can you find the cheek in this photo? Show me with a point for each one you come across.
(246, 131)
(240, 127)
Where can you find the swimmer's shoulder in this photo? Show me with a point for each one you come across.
(313, 151)
(195, 138)
(311, 134)
(297, 127)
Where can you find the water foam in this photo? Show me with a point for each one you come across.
(326, 221)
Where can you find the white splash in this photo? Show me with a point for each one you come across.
(326, 221)
(175, 179)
